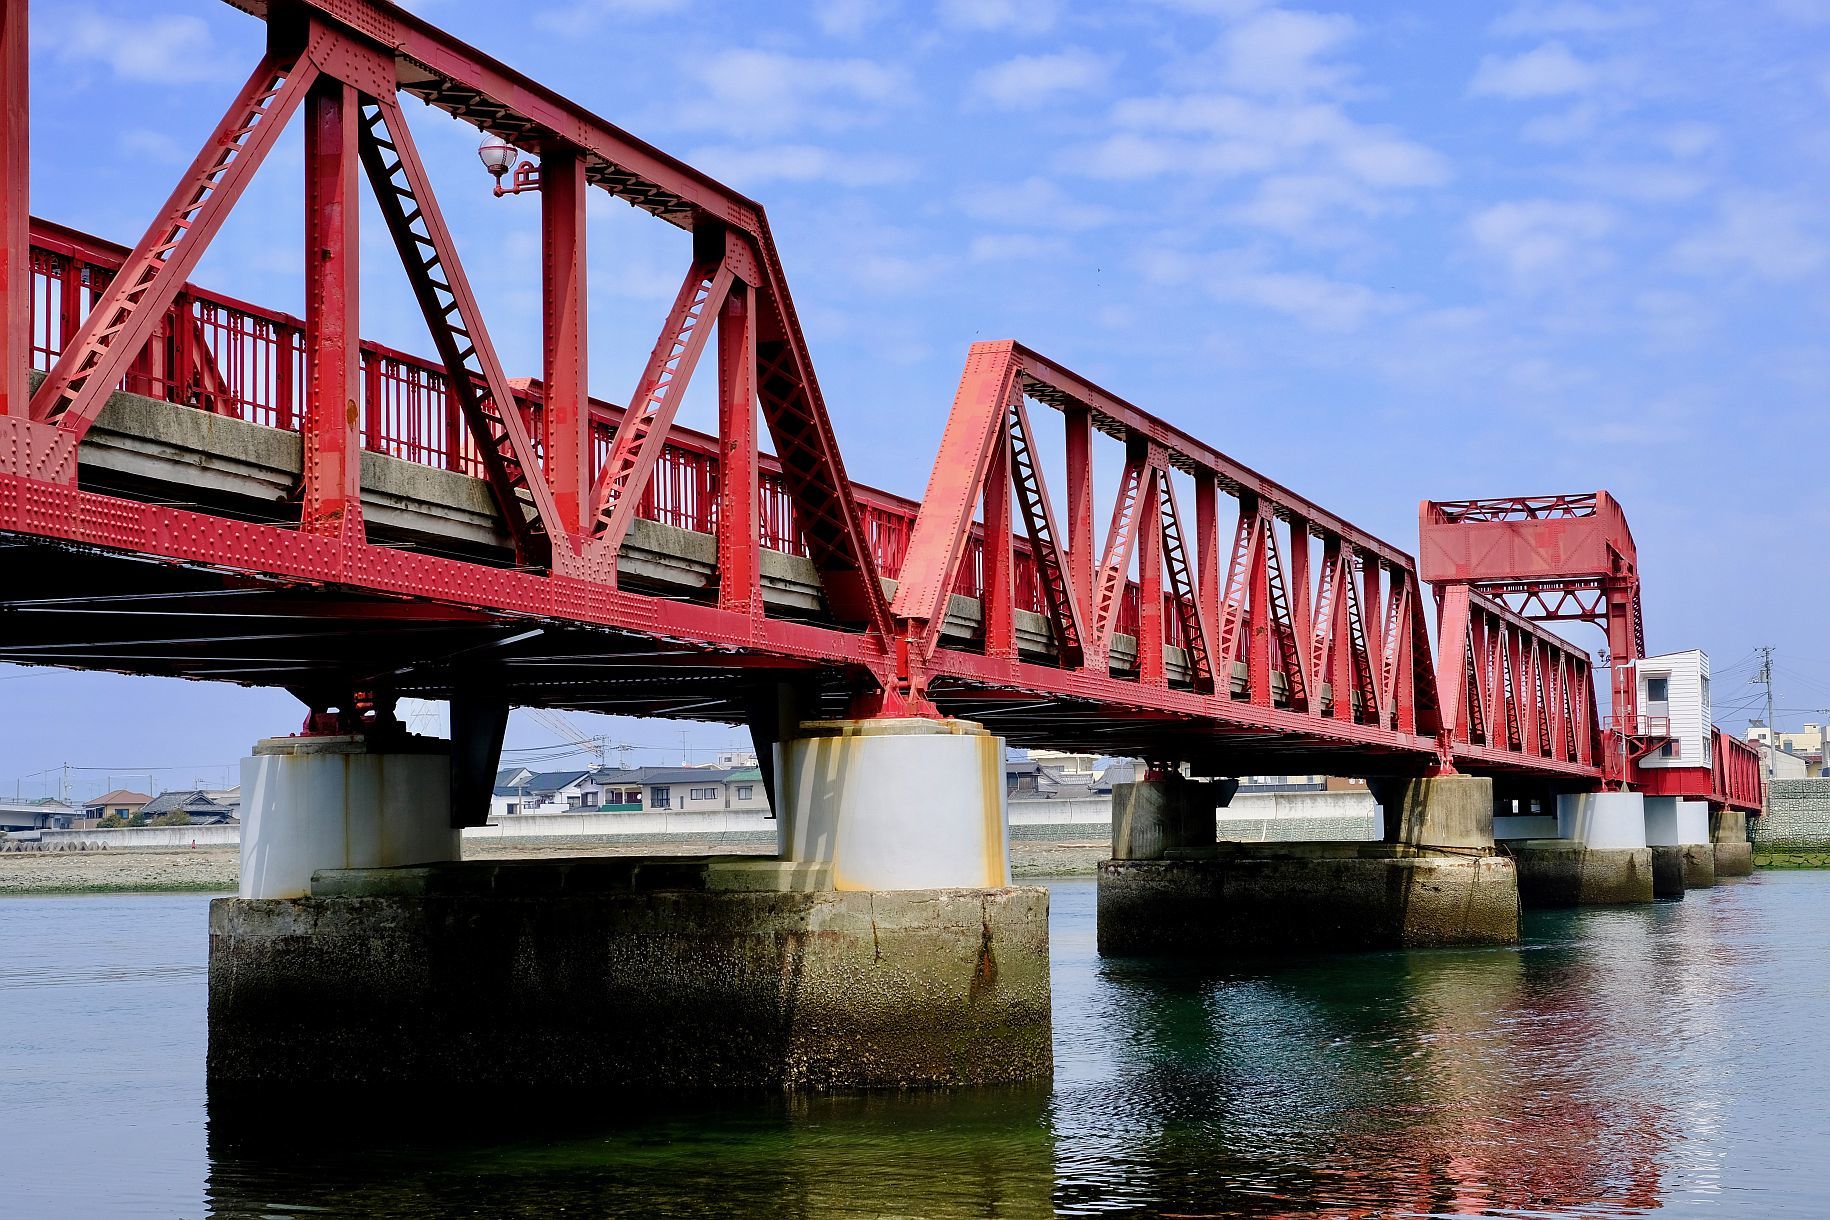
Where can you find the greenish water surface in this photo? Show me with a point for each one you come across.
(1667, 1057)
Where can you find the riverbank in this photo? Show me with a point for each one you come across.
(218, 869)
(1791, 857)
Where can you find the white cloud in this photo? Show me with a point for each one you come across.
(1242, 277)
(1549, 70)
(1036, 203)
(1214, 8)
(1017, 16)
(1278, 51)
(1645, 183)
(1298, 204)
(585, 16)
(150, 145)
(1314, 300)
(886, 272)
(162, 50)
(747, 92)
(1014, 247)
(1533, 238)
(1691, 139)
(753, 164)
(1029, 81)
(1758, 235)
(1567, 126)
(1221, 134)
(1569, 17)
(850, 18)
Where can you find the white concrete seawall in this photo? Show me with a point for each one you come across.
(1254, 818)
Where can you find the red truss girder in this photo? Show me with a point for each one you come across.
(1562, 558)
(121, 322)
(345, 61)
(1304, 628)
(1511, 688)
(1256, 638)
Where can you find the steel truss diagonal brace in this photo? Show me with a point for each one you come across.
(1182, 584)
(643, 432)
(475, 375)
(1044, 539)
(94, 360)
(1121, 538)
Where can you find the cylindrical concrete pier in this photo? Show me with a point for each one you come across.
(341, 802)
(897, 804)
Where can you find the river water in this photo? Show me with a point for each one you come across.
(1619, 1062)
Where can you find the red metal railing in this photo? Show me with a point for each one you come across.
(232, 358)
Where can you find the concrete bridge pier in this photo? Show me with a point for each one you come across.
(1733, 851)
(1683, 858)
(883, 948)
(1170, 889)
(1594, 852)
(342, 801)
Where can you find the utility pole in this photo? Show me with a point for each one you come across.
(1772, 731)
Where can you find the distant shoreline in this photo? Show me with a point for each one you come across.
(205, 870)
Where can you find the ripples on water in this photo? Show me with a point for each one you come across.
(1620, 1062)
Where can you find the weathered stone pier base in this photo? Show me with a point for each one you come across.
(618, 972)
(1567, 873)
(1170, 889)
(1728, 833)
(1270, 897)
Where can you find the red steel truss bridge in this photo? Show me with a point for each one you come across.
(195, 486)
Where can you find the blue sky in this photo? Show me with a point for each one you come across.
(1382, 252)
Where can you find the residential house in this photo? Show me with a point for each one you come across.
(201, 807)
(1047, 775)
(121, 803)
(1807, 743)
(629, 790)
(700, 789)
(1782, 764)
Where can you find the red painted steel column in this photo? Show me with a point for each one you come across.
(15, 212)
(1372, 620)
(563, 360)
(1257, 591)
(739, 537)
(1150, 669)
(333, 454)
(998, 601)
(1081, 546)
